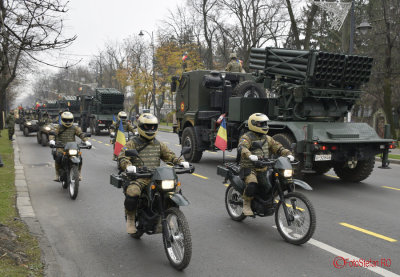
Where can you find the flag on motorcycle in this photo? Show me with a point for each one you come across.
(184, 57)
(221, 140)
(120, 140)
(114, 119)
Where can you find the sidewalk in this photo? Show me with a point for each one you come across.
(395, 151)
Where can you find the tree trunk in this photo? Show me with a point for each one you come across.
(294, 29)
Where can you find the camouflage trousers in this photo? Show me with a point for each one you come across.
(10, 132)
(135, 187)
(252, 177)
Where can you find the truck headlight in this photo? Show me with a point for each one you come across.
(47, 128)
(288, 173)
(167, 184)
(72, 152)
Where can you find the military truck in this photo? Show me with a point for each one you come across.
(97, 111)
(306, 95)
(73, 104)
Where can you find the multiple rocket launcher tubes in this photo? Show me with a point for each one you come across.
(315, 68)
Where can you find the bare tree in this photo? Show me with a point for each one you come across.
(27, 27)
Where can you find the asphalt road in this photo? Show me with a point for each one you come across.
(89, 239)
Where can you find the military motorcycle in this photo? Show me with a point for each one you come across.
(294, 214)
(160, 202)
(70, 160)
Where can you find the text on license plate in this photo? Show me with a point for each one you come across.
(325, 157)
(101, 124)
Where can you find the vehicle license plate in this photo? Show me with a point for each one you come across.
(102, 124)
(323, 157)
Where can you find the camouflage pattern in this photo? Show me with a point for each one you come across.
(45, 120)
(270, 146)
(151, 155)
(64, 135)
(10, 121)
(128, 127)
(234, 66)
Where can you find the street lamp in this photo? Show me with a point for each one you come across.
(153, 65)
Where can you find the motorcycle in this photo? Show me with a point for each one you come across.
(70, 160)
(160, 202)
(295, 217)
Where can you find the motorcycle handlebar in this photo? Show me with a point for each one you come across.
(61, 145)
(269, 162)
(147, 173)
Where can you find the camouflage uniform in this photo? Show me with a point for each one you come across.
(45, 120)
(270, 146)
(151, 151)
(64, 135)
(234, 66)
(10, 124)
(128, 127)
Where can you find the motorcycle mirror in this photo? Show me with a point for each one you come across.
(132, 153)
(185, 150)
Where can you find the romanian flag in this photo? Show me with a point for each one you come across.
(184, 57)
(120, 140)
(114, 120)
(222, 139)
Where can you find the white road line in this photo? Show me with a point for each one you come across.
(345, 255)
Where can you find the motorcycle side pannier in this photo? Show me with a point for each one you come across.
(116, 181)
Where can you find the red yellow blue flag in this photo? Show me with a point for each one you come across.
(221, 140)
(120, 140)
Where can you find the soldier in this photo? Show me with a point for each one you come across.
(45, 119)
(258, 126)
(128, 127)
(10, 124)
(64, 133)
(234, 65)
(150, 151)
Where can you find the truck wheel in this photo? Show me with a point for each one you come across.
(97, 131)
(45, 140)
(361, 172)
(249, 89)
(189, 140)
(322, 167)
(38, 138)
(26, 131)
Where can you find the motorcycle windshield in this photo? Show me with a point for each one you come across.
(164, 173)
(283, 163)
(71, 145)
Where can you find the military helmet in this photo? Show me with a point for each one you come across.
(122, 116)
(233, 56)
(258, 122)
(147, 126)
(67, 119)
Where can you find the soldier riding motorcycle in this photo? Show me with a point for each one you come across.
(67, 155)
(152, 193)
(258, 180)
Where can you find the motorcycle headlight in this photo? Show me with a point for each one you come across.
(47, 128)
(28, 123)
(72, 152)
(167, 184)
(288, 173)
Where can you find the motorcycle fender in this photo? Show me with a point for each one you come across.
(75, 160)
(179, 199)
(302, 184)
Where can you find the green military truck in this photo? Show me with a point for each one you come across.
(307, 96)
(73, 104)
(97, 111)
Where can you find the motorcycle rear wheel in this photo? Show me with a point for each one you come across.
(303, 225)
(180, 251)
(235, 211)
(73, 182)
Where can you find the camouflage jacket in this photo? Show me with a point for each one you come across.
(269, 146)
(10, 121)
(64, 134)
(128, 127)
(149, 151)
(234, 66)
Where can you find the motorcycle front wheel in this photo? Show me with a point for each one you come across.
(177, 239)
(234, 203)
(301, 217)
(73, 182)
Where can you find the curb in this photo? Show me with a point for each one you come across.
(28, 216)
(391, 161)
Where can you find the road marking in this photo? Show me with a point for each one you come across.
(290, 206)
(367, 232)
(333, 176)
(177, 145)
(107, 144)
(200, 176)
(231, 156)
(390, 188)
(226, 185)
(211, 152)
(100, 142)
(166, 142)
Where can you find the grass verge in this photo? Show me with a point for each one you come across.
(391, 156)
(23, 244)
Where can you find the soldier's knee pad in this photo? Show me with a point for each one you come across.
(133, 190)
(131, 202)
(251, 189)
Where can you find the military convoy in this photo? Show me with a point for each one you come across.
(307, 96)
(97, 111)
